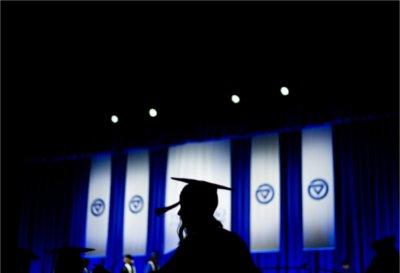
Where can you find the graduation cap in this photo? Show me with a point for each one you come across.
(27, 254)
(69, 259)
(384, 244)
(70, 250)
(25, 258)
(200, 193)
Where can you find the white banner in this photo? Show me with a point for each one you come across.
(208, 161)
(318, 189)
(136, 206)
(265, 194)
(98, 206)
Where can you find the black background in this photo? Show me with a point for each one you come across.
(67, 66)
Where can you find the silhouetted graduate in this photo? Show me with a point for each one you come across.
(25, 257)
(152, 264)
(205, 246)
(347, 267)
(99, 268)
(86, 263)
(129, 264)
(386, 259)
(69, 259)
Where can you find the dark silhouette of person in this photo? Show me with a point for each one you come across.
(25, 257)
(86, 263)
(99, 268)
(205, 246)
(69, 259)
(152, 264)
(129, 264)
(347, 267)
(386, 259)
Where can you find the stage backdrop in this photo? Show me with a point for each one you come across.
(209, 161)
(271, 174)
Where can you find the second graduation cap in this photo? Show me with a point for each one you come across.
(196, 191)
(70, 250)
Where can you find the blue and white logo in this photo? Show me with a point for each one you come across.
(318, 189)
(98, 206)
(265, 193)
(136, 204)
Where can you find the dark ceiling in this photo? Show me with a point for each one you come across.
(67, 66)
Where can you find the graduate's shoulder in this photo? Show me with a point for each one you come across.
(231, 237)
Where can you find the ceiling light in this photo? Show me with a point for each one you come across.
(235, 99)
(114, 118)
(153, 112)
(284, 91)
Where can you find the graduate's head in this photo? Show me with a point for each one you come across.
(384, 245)
(25, 256)
(346, 264)
(198, 202)
(68, 259)
(153, 256)
(128, 259)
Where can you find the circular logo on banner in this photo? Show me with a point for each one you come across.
(265, 193)
(98, 206)
(136, 204)
(318, 189)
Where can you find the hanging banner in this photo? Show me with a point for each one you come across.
(208, 161)
(136, 206)
(265, 194)
(98, 205)
(318, 189)
(136, 202)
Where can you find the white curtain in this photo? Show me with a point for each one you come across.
(208, 161)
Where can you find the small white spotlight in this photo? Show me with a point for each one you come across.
(235, 99)
(284, 91)
(153, 112)
(114, 118)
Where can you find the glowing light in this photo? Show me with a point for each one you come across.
(153, 112)
(114, 118)
(235, 99)
(284, 91)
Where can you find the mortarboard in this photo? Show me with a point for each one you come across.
(194, 187)
(384, 243)
(27, 254)
(128, 256)
(25, 257)
(68, 259)
(70, 250)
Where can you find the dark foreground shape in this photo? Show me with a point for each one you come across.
(204, 245)
(386, 259)
(216, 250)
